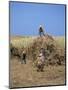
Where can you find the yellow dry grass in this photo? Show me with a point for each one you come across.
(21, 41)
(25, 75)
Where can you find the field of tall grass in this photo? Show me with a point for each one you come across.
(60, 41)
(26, 41)
(20, 42)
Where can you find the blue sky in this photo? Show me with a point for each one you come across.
(25, 18)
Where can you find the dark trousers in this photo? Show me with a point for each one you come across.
(40, 67)
(41, 33)
(23, 61)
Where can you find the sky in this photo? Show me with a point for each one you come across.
(25, 18)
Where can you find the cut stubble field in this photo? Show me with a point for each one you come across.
(25, 75)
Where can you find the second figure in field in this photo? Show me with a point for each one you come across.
(23, 57)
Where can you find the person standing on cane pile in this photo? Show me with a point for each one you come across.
(41, 31)
(23, 57)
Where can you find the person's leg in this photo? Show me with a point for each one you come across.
(40, 34)
(42, 68)
(21, 61)
(43, 33)
(25, 61)
(38, 68)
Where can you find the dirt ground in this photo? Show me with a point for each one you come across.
(25, 75)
